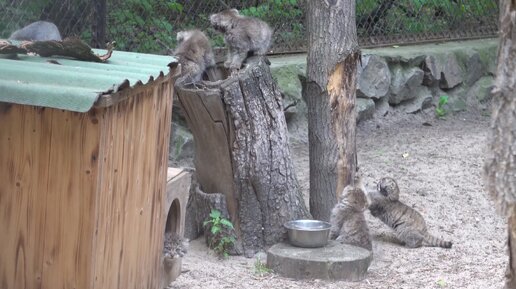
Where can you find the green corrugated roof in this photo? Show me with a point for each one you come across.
(75, 85)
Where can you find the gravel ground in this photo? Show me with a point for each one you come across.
(438, 165)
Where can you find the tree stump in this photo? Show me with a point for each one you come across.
(242, 152)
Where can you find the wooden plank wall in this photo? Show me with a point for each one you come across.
(82, 195)
(130, 226)
(48, 176)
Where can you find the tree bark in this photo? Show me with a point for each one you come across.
(500, 168)
(329, 91)
(250, 152)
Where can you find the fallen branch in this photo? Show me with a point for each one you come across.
(70, 47)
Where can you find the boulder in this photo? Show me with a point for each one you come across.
(365, 109)
(422, 100)
(405, 82)
(456, 99)
(456, 103)
(288, 82)
(381, 107)
(481, 90)
(474, 69)
(444, 69)
(373, 77)
(181, 143)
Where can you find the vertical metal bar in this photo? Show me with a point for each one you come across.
(99, 23)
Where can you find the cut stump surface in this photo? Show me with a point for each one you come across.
(334, 261)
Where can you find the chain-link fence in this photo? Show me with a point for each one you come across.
(151, 25)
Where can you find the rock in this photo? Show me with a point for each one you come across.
(408, 55)
(422, 100)
(480, 91)
(261, 256)
(443, 68)
(456, 99)
(286, 78)
(181, 143)
(334, 261)
(381, 107)
(373, 77)
(457, 103)
(405, 83)
(451, 73)
(365, 109)
(488, 56)
(474, 69)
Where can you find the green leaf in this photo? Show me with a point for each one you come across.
(146, 5)
(174, 6)
(443, 100)
(215, 230)
(226, 223)
(215, 214)
(441, 283)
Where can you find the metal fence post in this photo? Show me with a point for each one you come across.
(99, 23)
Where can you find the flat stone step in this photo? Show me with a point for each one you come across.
(334, 261)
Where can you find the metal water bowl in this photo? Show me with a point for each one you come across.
(308, 233)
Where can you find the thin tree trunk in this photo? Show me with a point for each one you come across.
(329, 91)
(500, 165)
(510, 273)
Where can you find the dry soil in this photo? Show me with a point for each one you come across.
(438, 165)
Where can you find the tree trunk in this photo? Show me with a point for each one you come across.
(500, 165)
(242, 151)
(329, 91)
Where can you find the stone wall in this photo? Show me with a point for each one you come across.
(408, 79)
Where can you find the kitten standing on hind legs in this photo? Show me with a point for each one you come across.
(408, 224)
(242, 35)
(348, 224)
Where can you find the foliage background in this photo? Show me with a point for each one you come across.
(150, 25)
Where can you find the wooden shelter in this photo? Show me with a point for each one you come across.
(83, 169)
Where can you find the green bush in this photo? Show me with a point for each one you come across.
(143, 25)
(151, 25)
(286, 17)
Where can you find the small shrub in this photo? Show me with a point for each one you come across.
(260, 268)
(440, 110)
(220, 228)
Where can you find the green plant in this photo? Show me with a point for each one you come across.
(143, 25)
(220, 229)
(260, 268)
(440, 110)
(283, 16)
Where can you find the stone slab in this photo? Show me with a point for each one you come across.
(334, 261)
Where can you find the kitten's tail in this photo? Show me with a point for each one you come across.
(431, 241)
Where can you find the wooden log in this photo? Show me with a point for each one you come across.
(242, 151)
